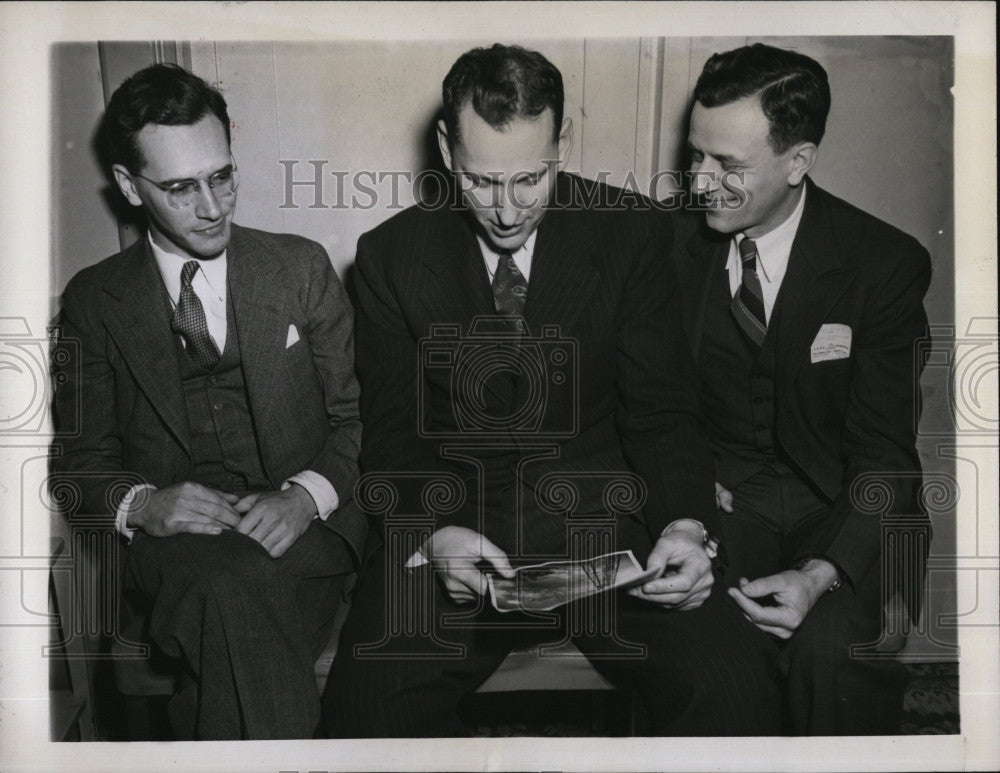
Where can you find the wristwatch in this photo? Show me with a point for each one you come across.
(711, 543)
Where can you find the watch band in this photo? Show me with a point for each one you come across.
(708, 540)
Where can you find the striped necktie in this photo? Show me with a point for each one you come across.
(748, 303)
(189, 321)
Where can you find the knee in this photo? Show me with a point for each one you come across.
(236, 566)
(827, 635)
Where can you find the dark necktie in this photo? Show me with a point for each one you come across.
(510, 288)
(748, 303)
(189, 321)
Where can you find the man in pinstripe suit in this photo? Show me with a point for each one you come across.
(537, 267)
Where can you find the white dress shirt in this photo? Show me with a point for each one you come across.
(773, 251)
(522, 256)
(209, 284)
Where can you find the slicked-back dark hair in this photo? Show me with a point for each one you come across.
(502, 83)
(164, 94)
(794, 90)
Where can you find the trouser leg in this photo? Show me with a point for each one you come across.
(831, 691)
(827, 690)
(400, 670)
(705, 671)
(246, 626)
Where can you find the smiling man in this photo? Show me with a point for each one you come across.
(803, 313)
(218, 396)
(561, 374)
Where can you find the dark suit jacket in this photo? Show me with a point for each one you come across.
(850, 421)
(599, 274)
(133, 421)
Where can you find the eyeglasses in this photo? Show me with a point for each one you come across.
(184, 193)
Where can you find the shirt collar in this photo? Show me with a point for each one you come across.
(170, 265)
(526, 251)
(774, 247)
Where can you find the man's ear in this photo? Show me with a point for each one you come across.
(802, 158)
(565, 140)
(442, 135)
(126, 185)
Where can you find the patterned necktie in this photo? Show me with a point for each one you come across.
(189, 321)
(510, 288)
(748, 303)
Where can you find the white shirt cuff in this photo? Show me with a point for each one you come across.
(417, 559)
(319, 488)
(121, 516)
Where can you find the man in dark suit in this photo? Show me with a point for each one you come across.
(514, 349)
(803, 313)
(216, 374)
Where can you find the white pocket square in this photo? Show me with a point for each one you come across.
(832, 342)
(293, 336)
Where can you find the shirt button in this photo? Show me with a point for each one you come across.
(212, 380)
(217, 406)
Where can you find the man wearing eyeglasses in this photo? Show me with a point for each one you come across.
(219, 419)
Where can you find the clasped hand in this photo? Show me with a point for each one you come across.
(684, 579)
(275, 519)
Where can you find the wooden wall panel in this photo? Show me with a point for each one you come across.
(608, 133)
(84, 228)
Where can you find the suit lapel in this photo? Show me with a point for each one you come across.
(706, 257)
(816, 277)
(256, 290)
(562, 275)
(455, 287)
(140, 324)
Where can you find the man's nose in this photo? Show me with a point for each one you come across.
(705, 176)
(207, 205)
(507, 209)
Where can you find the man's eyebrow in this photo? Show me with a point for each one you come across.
(173, 181)
(494, 177)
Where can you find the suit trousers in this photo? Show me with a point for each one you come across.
(245, 627)
(408, 655)
(828, 691)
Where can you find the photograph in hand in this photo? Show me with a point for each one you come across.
(543, 587)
